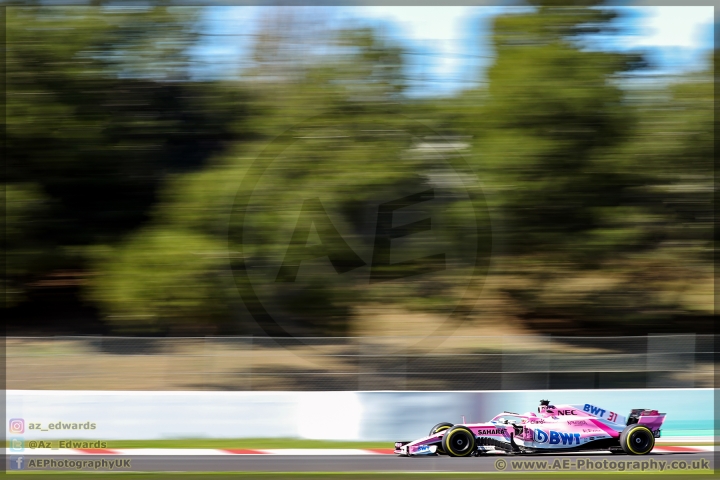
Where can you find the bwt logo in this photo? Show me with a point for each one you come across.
(594, 410)
(556, 438)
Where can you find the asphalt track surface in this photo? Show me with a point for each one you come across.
(369, 463)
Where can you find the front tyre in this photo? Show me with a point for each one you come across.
(459, 442)
(442, 426)
(637, 440)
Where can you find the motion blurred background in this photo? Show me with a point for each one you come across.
(138, 223)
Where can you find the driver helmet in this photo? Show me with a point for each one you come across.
(543, 406)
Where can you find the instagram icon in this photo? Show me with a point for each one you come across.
(17, 425)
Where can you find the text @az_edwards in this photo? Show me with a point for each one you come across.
(33, 444)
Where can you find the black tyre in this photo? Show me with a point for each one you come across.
(637, 440)
(439, 428)
(459, 442)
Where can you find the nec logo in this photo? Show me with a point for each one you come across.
(567, 412)
(556, 438)
(594, 410)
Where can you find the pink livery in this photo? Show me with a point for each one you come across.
(553, 428)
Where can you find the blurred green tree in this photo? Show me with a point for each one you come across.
(553, 115)
(99, 111)
(334, 130)
(579, 169)
(128, 172)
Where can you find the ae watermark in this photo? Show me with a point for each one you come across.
(319, 220)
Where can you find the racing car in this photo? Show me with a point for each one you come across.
(552, 429)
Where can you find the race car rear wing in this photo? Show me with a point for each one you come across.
(650, 418)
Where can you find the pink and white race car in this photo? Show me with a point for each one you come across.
(552, 429)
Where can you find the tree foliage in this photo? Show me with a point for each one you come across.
(96, 118)
(125, 169)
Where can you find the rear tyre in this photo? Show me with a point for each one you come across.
(637, 440)
(439, 428)
(459, 442)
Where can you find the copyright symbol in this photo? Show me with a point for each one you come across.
(32, 444)
(500, 464)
